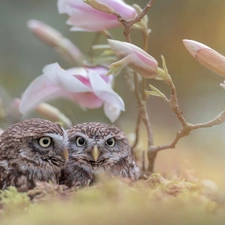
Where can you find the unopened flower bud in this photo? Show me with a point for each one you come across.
(206, 56)
(55, 39)
(134, 57)
(53, 114)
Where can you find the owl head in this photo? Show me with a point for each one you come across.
(34, 143)
(96, 145)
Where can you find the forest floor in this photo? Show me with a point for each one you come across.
(153, 200)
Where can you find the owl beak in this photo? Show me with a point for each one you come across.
(95, 153)
(65, 154)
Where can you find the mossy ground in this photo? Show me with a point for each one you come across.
(154, 200)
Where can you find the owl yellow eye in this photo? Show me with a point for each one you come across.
(111, 142)
(80, 141)
(45, 142)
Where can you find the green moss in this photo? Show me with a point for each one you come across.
(113, 201)
(13, 201)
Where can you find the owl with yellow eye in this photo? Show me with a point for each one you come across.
(96, 147)
(30, 151)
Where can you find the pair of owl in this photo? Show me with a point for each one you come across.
(39, 150)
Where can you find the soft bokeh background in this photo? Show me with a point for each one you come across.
(22, 58)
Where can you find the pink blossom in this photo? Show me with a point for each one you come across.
(83, 17)
(134, 57)
(88, 87)
(206, 56)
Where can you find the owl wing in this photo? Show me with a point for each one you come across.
(134, 171)
(3, 175)
(10, 175)
(126, 168)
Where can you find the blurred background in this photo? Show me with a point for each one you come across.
(22, 57)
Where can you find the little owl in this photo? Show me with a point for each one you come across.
(30, 151)
(94, 147)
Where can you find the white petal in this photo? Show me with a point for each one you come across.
(64, 78)
(39, 90)
(111, 112)
(104, 91)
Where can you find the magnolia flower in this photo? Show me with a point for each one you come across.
(88, 87)
(84, 17)
(206, 56)
(134, 57)
(55, 39)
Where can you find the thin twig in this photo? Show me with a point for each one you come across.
(145, 40)
(186, 127)
(185, 131)
(173, 102)
(143, 110)
(133, 86)
(127, 24)
(136, 133)
(216, 121)
(143, 161)
(143, 114)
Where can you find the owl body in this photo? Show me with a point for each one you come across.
(30, 151)
(95, 148)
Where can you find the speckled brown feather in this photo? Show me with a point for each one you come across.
(81, 168)
(96, 129)
(23, 162)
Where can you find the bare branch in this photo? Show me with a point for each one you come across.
(127, 24)
(143, 111)
(186, 127)
(185, 131)
(136, 133)
(143, 161)
(142, 115)
(173, 102)
(216, 121)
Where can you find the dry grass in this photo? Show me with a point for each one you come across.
(155, 200)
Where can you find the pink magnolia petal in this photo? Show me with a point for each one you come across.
(102, 71)
(81, 73)
(78, 11)
(64, 79)
(124, 48)
(86, 25)
(207, 56)
(41, 89)
(194, 46)
(135, 57)
(104, 91)
(84, 86)
(53, 84)
(85, 18)
(86, 100)
(111, 112)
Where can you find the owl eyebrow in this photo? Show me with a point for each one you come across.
(78, 134)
